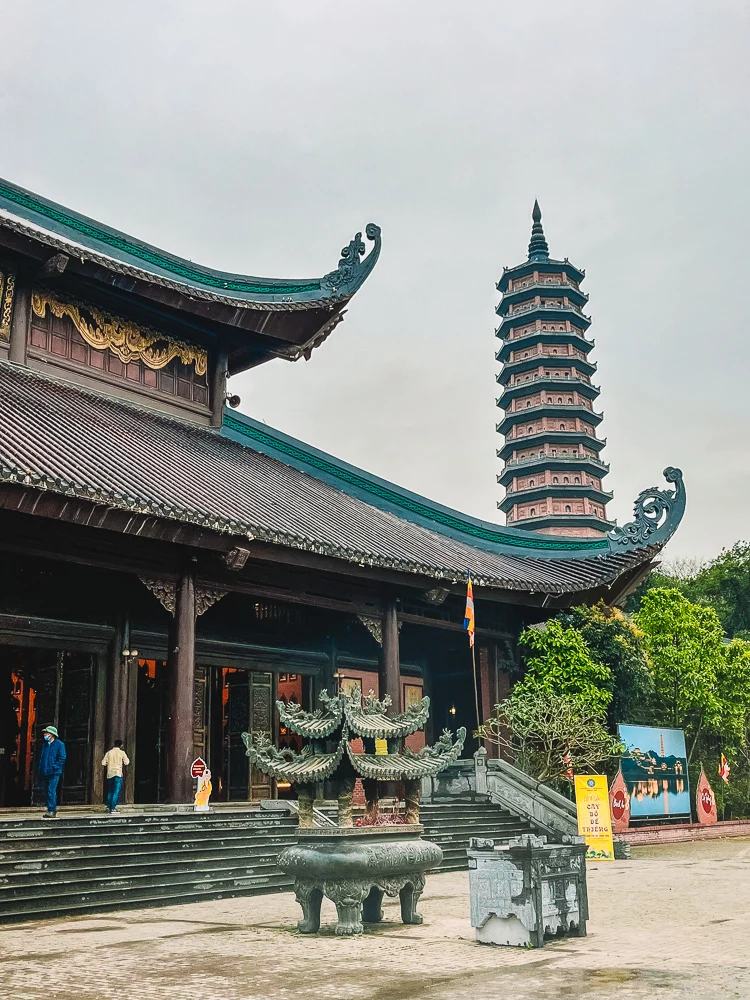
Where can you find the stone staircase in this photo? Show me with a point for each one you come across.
(90, 863)
(86, 864)
(451, 824)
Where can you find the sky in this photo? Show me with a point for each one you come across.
(259, 137)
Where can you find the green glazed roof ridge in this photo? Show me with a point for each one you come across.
(394, 498)
(66, 222)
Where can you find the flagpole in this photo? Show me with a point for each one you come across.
(476, 688)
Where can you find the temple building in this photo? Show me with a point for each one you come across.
(172, 567)
(553, 469)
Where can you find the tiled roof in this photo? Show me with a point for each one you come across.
(60, 438)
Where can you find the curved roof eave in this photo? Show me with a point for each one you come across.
(645, 531)
(68, 231)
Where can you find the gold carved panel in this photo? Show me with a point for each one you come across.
(7, 287)
(129, 341)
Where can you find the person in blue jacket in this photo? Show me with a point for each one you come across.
(51, 763)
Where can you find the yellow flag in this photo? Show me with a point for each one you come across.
(594, 820)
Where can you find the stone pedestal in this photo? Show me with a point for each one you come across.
(355, 867)
(527, 890)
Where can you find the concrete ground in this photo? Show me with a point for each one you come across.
(672, 923)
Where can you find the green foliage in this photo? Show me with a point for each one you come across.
(723, 584)
(558, 662)
(617, 644)
(548, 734)
(701, 683)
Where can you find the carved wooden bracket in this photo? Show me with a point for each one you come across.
(165, 591)
(205, 597)
(375, 627)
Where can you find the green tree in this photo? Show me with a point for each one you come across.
(701, 684)
(724, 584)
(616, 643)
(558, 662)
(548, 734)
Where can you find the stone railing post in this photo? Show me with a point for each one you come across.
(480, 771)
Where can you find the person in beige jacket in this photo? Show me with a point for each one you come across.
(113, 760)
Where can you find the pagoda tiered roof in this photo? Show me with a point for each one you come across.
(364, 716)
(424, 763)
(356, 716)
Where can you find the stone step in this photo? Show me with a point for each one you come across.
(131, 877)
(79, 865)
(118, 836)
(89, 864)
(102, 851)
(158, 895)
(141, 822)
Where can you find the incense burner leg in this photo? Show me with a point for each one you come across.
(412, 799)
(346, 794)
(309, 897)
(409, 896)
(305, 803)
(348, 897)
(371, 909)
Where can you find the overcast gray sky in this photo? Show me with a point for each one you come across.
(259, 137)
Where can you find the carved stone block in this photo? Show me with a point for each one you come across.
(527, 890)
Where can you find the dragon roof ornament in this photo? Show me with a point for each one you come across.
(317, 724)
(656, 514)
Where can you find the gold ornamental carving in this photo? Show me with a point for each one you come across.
(7, 287)
(165, 591)
(129, 341)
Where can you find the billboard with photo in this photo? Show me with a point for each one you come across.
(655, 770)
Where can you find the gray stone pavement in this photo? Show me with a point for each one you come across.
(672, 923)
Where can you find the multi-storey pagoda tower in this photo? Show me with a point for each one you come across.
(553, 470)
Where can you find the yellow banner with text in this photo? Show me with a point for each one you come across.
(594, 820)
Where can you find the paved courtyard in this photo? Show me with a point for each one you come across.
(672, 923)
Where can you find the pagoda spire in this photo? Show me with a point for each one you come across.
(538, 249)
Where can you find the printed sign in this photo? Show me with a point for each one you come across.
(198, 767)
(594, 822)
(655, 770)
(381, 748)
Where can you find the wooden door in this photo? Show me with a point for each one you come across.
(48, 674)
(237, 716)
(249, 710)
(76, 704)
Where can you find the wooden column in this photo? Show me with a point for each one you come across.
(390, 666)
(115, 677)
(179, 784)
(219, 386)
(20, 322)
